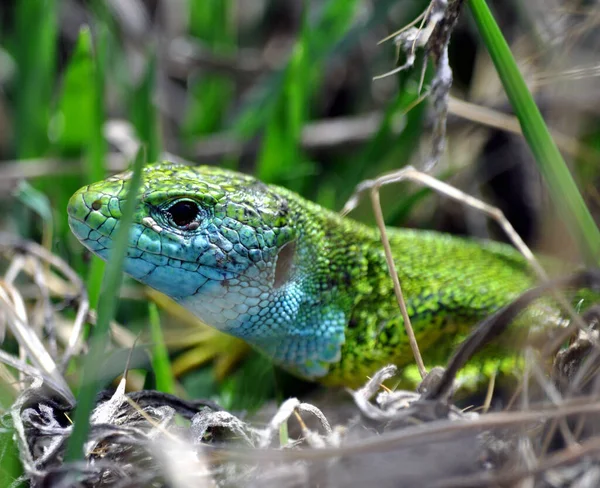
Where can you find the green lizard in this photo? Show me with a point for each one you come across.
(304, 285)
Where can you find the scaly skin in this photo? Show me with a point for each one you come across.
(309, 288)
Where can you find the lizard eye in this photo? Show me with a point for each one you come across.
(184, 214)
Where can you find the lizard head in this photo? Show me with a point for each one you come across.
(197, 232)
(247, 258)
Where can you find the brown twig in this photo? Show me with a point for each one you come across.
(412, 340)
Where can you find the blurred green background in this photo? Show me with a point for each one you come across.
(282, 89)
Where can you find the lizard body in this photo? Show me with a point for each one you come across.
(308, 287)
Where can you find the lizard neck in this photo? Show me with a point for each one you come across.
(313, 307)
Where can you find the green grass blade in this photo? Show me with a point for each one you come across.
(73, 122)
(96, 152)
(77, 129)
(36, 32)
(10, 465)
(210, 94)
(143, 111)
(160, 356)
(279, 151)
(107, 305)
(279, 156)
(97, 148)
(40, 204)
(562, 187)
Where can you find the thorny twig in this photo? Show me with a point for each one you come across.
(433, 36)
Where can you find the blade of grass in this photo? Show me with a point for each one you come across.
(106, 309)
(143, 111)
(160, 356)
(210, 94)
(10, 465)
(73, 122)
(283, 435)
(33, 46)
(96, 152)
(40, 204)
(279, 153)
(261, 101)
(250, 386)
(36, 31)
(279, 150)
(329, 31)
(562, 187)
(77, 130)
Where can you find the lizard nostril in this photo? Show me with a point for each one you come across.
(96, 205)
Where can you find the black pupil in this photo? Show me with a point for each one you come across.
(184, 213)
